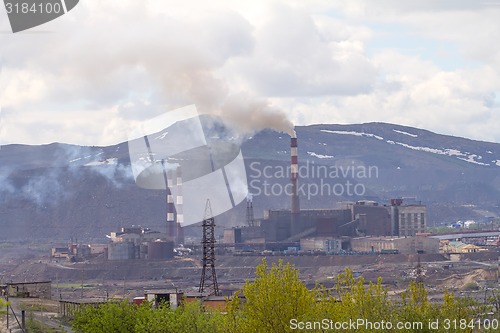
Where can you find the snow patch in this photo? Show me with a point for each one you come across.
(319, 155)
(406, 133)
(470, 159)
(369, 135)
(467, 157)
(448, 152)
(454, 152)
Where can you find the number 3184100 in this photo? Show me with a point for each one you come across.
(25, 8)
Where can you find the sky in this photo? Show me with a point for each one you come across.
(94, 73)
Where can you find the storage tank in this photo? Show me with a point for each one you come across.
(160, 250)
(121, 251)
(143, 251)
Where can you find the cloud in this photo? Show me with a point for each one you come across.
(414, 92)
(92, 74)
(294, 56)
(102, 61)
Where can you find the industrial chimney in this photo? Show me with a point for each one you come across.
(294, 176)
(179, 208)
(170, 211)
(295, 226)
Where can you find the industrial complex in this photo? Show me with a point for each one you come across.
(375, 239)
(334, 229)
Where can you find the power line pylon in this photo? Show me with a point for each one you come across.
(208, 280)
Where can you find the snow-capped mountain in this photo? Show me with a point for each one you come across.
(65, 191)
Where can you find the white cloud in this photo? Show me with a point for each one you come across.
(296, 57)
(86, 77)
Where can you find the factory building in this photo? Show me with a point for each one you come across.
(408, 220)
(309, 223)
(374, 220)
(404, 245)
(136, 235)
(139, 243)
(73, 252)
(324, 244)
(359, 219)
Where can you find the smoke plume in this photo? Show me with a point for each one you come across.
(142, 70)
(248, 114)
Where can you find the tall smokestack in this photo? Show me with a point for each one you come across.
(170, 211)
(294, 175)
(179, 206)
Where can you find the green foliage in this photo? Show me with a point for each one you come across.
(277, 297)
(109, 317)
(188, 318)
(494, 302)
(3, 306)
(126, 317)
(34, 326)
(471, 286)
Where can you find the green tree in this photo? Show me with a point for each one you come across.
(355, 300)
(416, 308)
(494, 303)
(108, 317)
(276, 296)
(127, 317)
(3, 306)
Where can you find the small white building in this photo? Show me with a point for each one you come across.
(326, 244)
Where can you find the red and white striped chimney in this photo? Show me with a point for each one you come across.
(179, 202)
(294, 175)
(170, 210)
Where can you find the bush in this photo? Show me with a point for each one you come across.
(471, 286)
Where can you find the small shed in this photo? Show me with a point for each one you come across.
(211, 302)
(68, 307)
(37, 289)
(172, 297)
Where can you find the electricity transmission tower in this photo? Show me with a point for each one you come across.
(208, 280)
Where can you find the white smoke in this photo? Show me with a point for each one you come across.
(53, 183)
(154, 64)
(45, 189)
(115, 174)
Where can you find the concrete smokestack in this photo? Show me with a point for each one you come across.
(294, 175)
(170, 211)
(179, 206)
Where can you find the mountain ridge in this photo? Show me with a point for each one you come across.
(63, 190)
